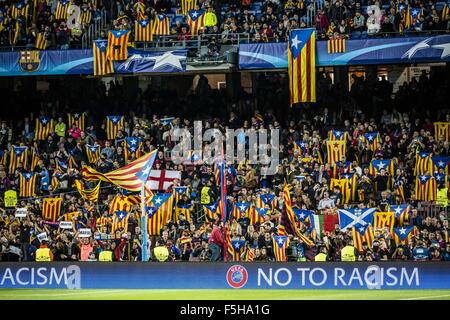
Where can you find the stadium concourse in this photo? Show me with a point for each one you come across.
(361, 177)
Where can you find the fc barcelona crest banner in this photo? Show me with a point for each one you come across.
(29, 60)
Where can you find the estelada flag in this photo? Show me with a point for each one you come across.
(43, 127)
(143, 31)
(442, 129)
(161, 25)
(336, 45)
(187, 5)
(51, 209)
(77, 119)
(302, 65)
(280, 243)
(113, 125)
(195, 20)
(362, 233)
(27, 184)
(117, 44)
(102, 63)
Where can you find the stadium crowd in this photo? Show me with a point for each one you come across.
(194, 235)
(269, 21)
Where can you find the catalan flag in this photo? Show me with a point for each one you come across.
(268, 199)
(129, 177)
(377, 165)
(143, 31)
(187, 5)
(399, 190)
(372, 139)
(178, 192)
(118, 44)
(336, 135)
(280, 243)
(344, 186)
(423, 163)
(120, 221)
(183, 209)
(384, 219)
(41, 42)
(216, 174)
(291, 216)
(18, 8)
(362, 233)
(335, 151)
(426, 188)
(85, 15)
(139, 8)
(302, 65)
(77, 119)
(249, 254)
(442, 129)
(44, 126)
(257, 215)
(336, 46)
(113, 125)
(407, 17)
(93, 153)
(195, 20)
(211, 211)
(34, 159)
(3, 157)
(241, 209)
(352, 185)
(62, 8)
(18, 155)
(441, 178)
(300, 147)
(237, 249)
(60, 166)
(102, 62)
(91, 195)
(445, 15)
(27, 183)
(51, 209)
(401, 212)
(440, 163)
(120, 203)
(223, 211)
(159, 213)
(161, 25)
(132, 148)
(403, 234)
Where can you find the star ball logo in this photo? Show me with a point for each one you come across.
(237, 276)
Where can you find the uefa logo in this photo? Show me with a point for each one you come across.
(237, 276)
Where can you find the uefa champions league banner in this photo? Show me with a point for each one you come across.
(357, 52)
(134, 275)
(70, 62)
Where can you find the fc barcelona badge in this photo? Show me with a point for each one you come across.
(29, 60)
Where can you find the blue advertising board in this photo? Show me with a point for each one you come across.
(80, 62)
(357, 52)
(98, 275)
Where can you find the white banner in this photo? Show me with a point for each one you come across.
(42, 236)
(162, 179)
(21, 212)
(65, 224)
(84, 233)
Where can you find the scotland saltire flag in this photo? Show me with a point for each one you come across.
(152, 61)
(349, 217)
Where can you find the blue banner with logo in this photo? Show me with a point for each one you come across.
(357, 52)
(123, 275)
(70, 62)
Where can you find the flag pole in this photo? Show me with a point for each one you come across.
(143, 224)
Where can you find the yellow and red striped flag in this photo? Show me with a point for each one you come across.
(143, 31)
(102, 62)
(159, 212)
(91, 195)
(257, 214)
(18, 154)
(93, 153)
(445, 14)
(302, 65)
(211, 211)
(236, 249)
(423, 163)
(280, 243)
(336, 46)
(85, 15)
(34, 159)
(404, 234)
(426, 188)
(120, 221)
(335, 151)
(119, 203)
(113, 125)
(362, 233)
(62, 8)
(442, 129)
(161, 25)
(132, 148)
(27, 184)
(187, 5)
(44, 125)
(344, 186)
(118, 44)
(185, 209)
(384, 219)
(51, 209)
(41, 42)
(77, 119)
(195, 20)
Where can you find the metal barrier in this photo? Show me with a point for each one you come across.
(93, 32)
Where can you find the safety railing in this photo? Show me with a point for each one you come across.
(93, 32)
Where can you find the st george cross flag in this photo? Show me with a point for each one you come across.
(349, 217)
(162, 179)
(302, 65)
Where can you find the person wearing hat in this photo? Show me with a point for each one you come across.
(44, 254)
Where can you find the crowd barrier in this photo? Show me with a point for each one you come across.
(136, 275)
